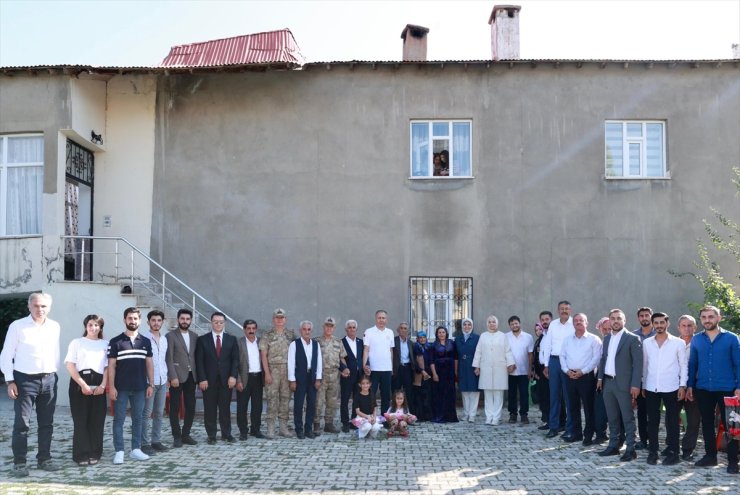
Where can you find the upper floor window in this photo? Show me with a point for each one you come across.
(441, 148)
(635, 149)
(21, 183)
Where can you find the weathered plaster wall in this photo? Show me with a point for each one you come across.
(292, 189)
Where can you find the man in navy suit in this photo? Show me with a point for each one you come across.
(217, 367)
(351, 373)
(304, 378)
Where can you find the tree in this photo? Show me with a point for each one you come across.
(718, 291)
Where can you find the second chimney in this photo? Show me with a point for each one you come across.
(414, 43)
(504, 23)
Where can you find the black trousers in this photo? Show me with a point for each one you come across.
(693, 424)
(581, 391)
(88, 417)
(217, 402)
(519, 389)
(305, 393)
(423, 401)
(652, 406)
(642, 419)
(347, 387)
(186, 390)
(404, 379)
(708, 402)
(252, 393)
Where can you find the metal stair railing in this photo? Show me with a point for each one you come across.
(154, 280)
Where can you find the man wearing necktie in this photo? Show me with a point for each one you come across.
(217, 367)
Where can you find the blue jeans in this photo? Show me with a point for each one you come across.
(382, 379)
(154, 404)
(558, 391)
(119, 416)
(41, 391)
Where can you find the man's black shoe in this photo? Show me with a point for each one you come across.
(243, 437)
(587, 442)
(177, 443)
(609, 451)
(345, 428)
(258, 434)
(628, 455)
(188, 440)
(543, 427)
(229, 439)
(148, 450)
(706, 461)
(652, 458)
(300, 435)
(159, 447)
(512, 418)
(732, 468)
(574, 438)
(212, 441)
(311, 434)
(687, 456)
(671, 460)
(600, 440)
(666, 452)
(551, 434)
(640, 445)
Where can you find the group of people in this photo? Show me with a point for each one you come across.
(573, 369)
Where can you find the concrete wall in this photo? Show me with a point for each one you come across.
(88, 107)
(291, 189)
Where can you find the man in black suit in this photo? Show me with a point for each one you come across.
(403, 362)
(620, 377)
(351, 373)
(217, 366)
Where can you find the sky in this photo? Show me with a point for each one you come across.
(141, 32)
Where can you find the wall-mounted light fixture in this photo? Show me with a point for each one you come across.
(96, 138)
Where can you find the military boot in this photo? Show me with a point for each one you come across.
(284, 431)
(270, 430)
(317, 429)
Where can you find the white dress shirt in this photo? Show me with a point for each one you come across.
(30, 348)
(186, 338)
(352, 346)
(610, 368)
(580, 353)
(308, 349)
(520, 346)
(553, 340)
(253, 352)
(159, 353)
(664, 368)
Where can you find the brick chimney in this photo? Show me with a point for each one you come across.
(504, 23)
(414, 43)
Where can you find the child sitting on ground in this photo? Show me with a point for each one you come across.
(398, 416)
(366, 421)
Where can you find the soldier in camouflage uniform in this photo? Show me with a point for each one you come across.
(274, 355)
(333, 357)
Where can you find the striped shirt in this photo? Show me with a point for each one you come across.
(130, 356)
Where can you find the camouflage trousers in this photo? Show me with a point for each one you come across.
(278, 393)
(327, 397)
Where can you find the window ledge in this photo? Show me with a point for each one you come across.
(19, 236)
(666, 177)
(465, 177)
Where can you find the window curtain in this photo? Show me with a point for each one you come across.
(25, 185)
(461, 149)
(420, 163)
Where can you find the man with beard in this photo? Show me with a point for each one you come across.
(714, 373)
(664, 374)
(543, 384)
(644, 332)
(181, 373)
(131, 379)
(151, 431)
(249, 383)
(522, 347)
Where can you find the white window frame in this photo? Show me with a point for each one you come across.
(642, 142)
(430, 164)
(4, 166)
(457, 306)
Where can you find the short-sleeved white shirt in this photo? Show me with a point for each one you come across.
(88, 354)
(379, 343)
(521, 346)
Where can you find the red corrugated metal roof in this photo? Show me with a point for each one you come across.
(260, 48)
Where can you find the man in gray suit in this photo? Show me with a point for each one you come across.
(620, 377)
(249, 383)
(181, 374)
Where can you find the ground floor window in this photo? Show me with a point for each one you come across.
(21, 183)
(436, 301)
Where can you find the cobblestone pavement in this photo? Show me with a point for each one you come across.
(436, 459)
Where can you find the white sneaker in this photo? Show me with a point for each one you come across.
(118, 458)
(138, 455)
(471, 419)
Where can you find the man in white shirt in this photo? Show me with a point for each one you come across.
(579, 357)
(29, 361)
(522, 347)
(304, 379)
(249, 383)
(665, 372)
(551, 345)
(377, 358)
(151, 430)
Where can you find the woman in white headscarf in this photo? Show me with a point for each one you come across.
(466, 342)
(492, 363)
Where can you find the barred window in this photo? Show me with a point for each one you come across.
(436, 301)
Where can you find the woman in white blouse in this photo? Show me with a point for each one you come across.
(87, 358)
(492, 363)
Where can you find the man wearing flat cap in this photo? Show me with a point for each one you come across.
(333, 356)
(274, 355)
